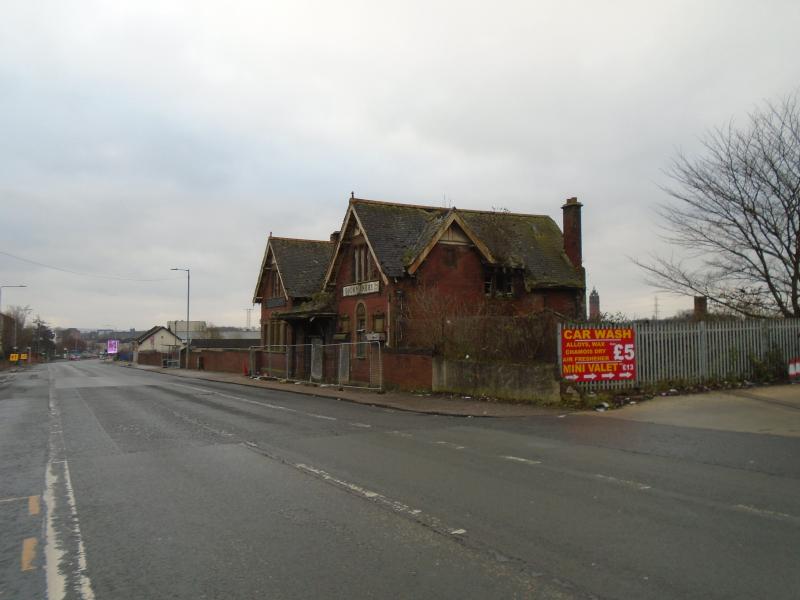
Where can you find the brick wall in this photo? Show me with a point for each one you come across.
(407, 371)
(226, 361)
(526, 383)
(152, 359)
(454, 270)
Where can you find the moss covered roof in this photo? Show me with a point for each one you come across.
(398, 233)
(302, 265)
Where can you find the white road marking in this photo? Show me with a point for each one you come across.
(450, 445)
(394, 505)
(364, 425)
(57, 478)
(519, 459)
(765, 513)
(625, 482)
(256, 403)
(401, 433)
(316, 416)
(13, 499)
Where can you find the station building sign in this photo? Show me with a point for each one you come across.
(590, 354)
(368, 287)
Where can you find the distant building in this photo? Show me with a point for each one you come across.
(594, 306)
(157, 340)
(195, 327)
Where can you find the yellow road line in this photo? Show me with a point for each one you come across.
(33, 505)
(28, 554)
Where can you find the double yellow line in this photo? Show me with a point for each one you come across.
(28, 544)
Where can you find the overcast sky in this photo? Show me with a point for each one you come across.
(139, 136)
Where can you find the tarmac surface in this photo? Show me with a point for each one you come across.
(438, 404)
(124, 483)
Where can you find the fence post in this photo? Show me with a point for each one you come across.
(559, 326)
(765, 339)
(380, 367)
(639, 346)
(703, 351)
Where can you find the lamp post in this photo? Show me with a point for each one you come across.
(1, 310)
(188, 284)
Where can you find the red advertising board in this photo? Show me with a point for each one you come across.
(598, 354)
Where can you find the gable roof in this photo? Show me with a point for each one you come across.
(399, 234)
(301, 265)
(152, 331)
(533, 243)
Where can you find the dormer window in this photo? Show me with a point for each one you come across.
(499, 283)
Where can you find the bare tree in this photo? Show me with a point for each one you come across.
(736, 215)
(19, 314)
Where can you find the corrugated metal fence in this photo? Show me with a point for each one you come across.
(702, 351)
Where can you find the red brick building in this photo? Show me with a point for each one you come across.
(289, 288)
(392, 261)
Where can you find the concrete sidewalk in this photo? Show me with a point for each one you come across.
(772, 410)
(436, 404)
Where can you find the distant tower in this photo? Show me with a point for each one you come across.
(594, 306)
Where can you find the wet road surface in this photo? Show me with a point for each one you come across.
(119, 484)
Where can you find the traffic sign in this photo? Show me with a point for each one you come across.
(598, 354)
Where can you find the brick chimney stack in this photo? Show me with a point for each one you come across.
(700, 308)
(572, 231)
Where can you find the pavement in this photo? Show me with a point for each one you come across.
(436, 404)
(773, 410)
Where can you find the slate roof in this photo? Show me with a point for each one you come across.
(302, 265)
(151, 331)
(398, 233)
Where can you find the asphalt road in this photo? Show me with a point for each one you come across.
(122, 484)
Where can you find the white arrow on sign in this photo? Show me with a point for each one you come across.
(607, 375)
(590, 376)
(571, 377)
(626, 375)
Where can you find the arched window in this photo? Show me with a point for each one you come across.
(361, 330)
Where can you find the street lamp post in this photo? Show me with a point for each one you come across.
(188, 287)
(1, 310)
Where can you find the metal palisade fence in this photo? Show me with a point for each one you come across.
(357, 365)
(699, 351)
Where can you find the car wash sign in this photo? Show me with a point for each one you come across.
(594, 354)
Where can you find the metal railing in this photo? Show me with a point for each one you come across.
(696, 352)
(351, 364)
